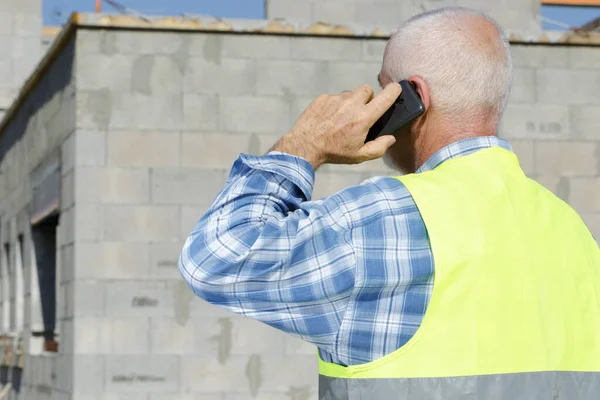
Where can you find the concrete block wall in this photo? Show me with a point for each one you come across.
(160, 119)
(152, 153)
(40, 131)
(20, 32)
(553, 120)
(520, 15)
(147, 125)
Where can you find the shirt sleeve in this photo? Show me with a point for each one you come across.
(266, 251)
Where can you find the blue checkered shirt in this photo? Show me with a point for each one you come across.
(351, 273)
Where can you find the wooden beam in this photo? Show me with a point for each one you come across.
(586, 3)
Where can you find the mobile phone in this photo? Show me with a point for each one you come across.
(407, 107)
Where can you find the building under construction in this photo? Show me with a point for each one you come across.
(119, 130)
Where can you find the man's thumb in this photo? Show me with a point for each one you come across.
(377, 148)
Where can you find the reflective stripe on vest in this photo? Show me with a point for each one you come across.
(516, 294)
(523, 386)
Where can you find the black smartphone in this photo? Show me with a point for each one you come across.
(405, 109)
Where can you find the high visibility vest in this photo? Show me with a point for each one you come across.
(515, 308)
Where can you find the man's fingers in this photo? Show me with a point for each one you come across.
(383, 101)
(376, 148)
(364, 93)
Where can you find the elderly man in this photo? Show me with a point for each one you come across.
(462, 279)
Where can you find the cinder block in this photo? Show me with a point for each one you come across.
(151, 149)
(336, 12)
(584, 195)
(584, 122)
(208, 375)
(92, 335)
(6, 77)
(557, 185)
(130, 336)
(185, 396)
(90, 147)
(326, 48)
(201, 309)
(229, 77)
(298, 347)
(592, 221)
(348, 76)
(138, 42)
(67, 263)
(259, 47)
(254, 114)
(68, 154)
(171, 337)
(94, 109)
(140, 299)
(157, 75)
(373, 50)
(523, 88)
(286, 371)
(88, 298)
(206, 45)
(297, 78)
(249, 337)
(88, 375)
(146, 112)
(67, 226)
(200, 112)
(187, 185)
(91, 41)
(64, 372)
(294, 392)
(567, 86)
(584, 57)
(261, 144)
(164, 259)
(562, 158)
(386, 16)
(141, 223)
(189, 218)
(329, 183)
(105, 260)
(142, 374)
(213, 150)
(125, 396)
(89, 222)
(524, 149)
(7, 23)
(28, 24)
(67, 190)
(102, 71)
(291, 10)
(540, 56)
(535, 122)
(112, 185)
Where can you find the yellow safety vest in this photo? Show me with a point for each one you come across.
(515, 308)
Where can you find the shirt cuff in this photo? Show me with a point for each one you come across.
(293, 168)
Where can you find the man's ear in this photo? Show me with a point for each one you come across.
(423, 89)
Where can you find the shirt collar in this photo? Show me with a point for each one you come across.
(463, 148)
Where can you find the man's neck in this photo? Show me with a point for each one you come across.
(434, 139)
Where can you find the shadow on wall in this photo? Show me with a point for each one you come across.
(53, 82)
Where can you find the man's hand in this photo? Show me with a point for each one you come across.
(333, 129)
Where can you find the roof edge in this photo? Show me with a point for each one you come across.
(269, 27)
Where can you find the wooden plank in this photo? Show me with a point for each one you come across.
(587, 3)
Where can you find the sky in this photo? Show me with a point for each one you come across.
(57, 11)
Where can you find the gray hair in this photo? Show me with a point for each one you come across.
(468, 74)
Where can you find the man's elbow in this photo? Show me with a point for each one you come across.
(193, 274)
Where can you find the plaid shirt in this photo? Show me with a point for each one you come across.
(351, 273)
